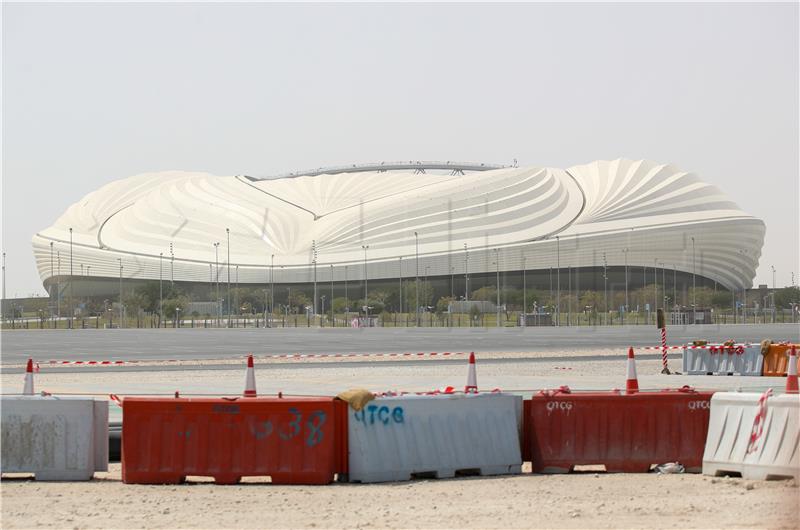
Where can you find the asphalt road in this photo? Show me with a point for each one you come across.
(153, 344)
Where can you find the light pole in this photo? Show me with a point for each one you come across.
(497, 269)
(4, 281)
(655, 284)
(524, 295)
(121, 305)
(58, 284)
(71, 281)
(333, 322)
(228, 234)
(625, 252)
(366, 291)
(314, 263)
(605, 286)
(51, 275)
(346, 298)
(272, 284)
(400, 274)
(569, 295)
(236, 295)
(160, 288)
(694, 286)
(416, 281)
(171, 265)
(452, 273)
(216, 277)
(466, 273)
(558, 281)
(773, 289)
(674, 284)
(265, 308)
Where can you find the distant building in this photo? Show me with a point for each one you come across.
(599, 226)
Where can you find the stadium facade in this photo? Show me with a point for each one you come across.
(461, 225)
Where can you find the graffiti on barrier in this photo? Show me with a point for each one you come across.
(261, 430)
(382, 414)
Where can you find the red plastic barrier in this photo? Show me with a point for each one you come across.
(625, 432)
(292, 440)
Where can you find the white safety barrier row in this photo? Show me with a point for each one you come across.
(54, 438)
(723, 360)
(754, 435)
(400, 438)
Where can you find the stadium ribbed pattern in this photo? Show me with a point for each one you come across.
(605, 212)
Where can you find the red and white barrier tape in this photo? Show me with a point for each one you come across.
(93, 363)
(739, 348)
(758, 422)
(322, 355)
(292, 356)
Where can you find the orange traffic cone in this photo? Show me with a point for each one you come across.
(472, 378)
(791, 379)
(631, 383)
(250, 378)
(28, 389)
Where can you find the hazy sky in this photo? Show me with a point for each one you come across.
(93, 93)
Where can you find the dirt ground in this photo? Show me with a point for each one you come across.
(579, 500)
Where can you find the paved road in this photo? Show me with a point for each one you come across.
(144, 344)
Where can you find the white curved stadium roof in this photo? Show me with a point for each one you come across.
(535, 218)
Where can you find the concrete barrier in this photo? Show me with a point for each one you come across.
(715, 359)
(54, 438)
(293, 440)
(773, 454)
(405, 437)
(626, 433)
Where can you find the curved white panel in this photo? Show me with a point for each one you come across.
(618, 211)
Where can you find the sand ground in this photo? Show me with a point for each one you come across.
(580, 500)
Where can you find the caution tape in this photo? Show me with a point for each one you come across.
(758, 422)
(292, 356)
(739, 348)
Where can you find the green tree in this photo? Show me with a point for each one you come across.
(486, 294)
(410, 293)
(702, 295)
(442, 304)
(474, 313)
(339, 304)
(787, 296)
(137, 301)
(172, 304)
(537, 299)
(511, 297)
(722, 300)
(592, 301)
(298, 302)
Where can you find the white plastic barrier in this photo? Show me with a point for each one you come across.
(400, 438)
(54, 438)
(715, 359)
(774, 453)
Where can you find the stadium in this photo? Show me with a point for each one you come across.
(607, 226)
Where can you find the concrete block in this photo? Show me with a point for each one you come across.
(54, 438)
